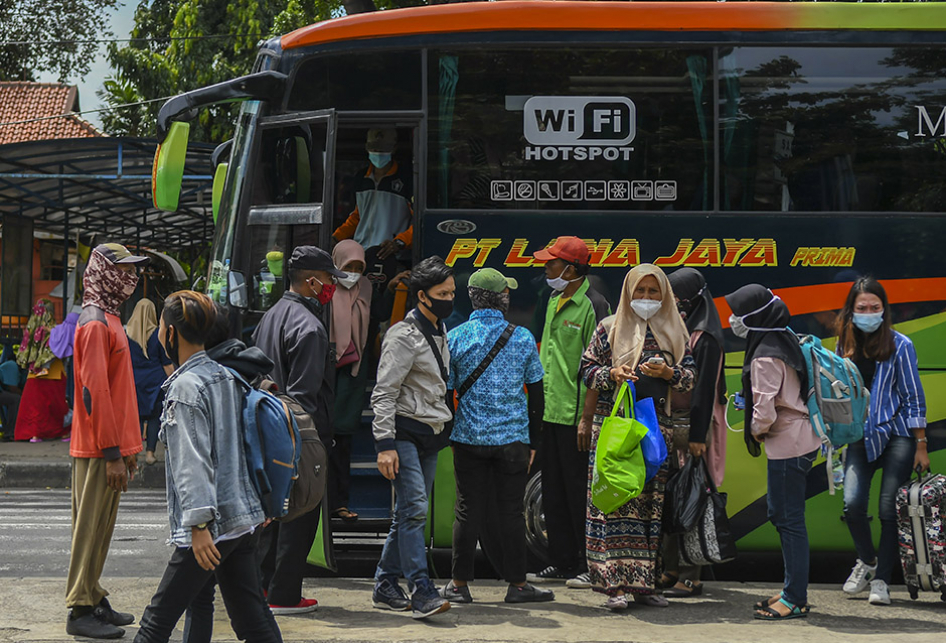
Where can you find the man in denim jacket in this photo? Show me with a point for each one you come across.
(213, 509)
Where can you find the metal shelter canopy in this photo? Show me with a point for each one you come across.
(102, 186)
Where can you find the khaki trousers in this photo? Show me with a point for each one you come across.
(94, 510)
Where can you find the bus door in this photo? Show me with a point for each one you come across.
(291, 196)
(382, 199)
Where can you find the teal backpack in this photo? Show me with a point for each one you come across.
(838, 401)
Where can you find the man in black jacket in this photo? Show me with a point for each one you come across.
(292, 334)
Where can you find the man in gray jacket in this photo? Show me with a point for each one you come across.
(410, 428)
(292, 335)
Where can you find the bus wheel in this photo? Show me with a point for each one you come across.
(537, 539)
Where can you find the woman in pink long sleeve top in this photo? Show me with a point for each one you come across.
(774, 378)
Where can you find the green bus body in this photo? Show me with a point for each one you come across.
(796, 155)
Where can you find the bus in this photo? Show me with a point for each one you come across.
(798, 145)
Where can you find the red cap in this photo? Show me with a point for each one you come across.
(570, 249)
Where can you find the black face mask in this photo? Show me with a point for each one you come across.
(441, 308)
(170, 349)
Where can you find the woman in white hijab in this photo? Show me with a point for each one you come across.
(644, 342)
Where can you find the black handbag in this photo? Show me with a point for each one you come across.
(711, 540)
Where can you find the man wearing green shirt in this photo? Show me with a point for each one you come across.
(572, 315)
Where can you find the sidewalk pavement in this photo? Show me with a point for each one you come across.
(47, 464)
(35, 612)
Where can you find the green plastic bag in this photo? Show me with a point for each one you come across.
(322, 553)
(619, 472)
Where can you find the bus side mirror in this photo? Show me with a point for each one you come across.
(167, 173)
(220, 177)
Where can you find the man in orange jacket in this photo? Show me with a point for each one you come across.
(105, 437)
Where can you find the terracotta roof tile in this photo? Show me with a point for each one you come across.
(21, 101)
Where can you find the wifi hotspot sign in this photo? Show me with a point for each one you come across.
(579, 127)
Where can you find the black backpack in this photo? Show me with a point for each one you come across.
(309, 487)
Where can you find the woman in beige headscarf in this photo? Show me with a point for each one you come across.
(151, 367)
(351, 307)
(644, 342)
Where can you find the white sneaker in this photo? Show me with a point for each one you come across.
(879, 593)
(582, 581)
(860, 577)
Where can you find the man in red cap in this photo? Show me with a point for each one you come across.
(573, 313)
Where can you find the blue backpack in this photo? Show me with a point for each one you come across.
(273, 446)
(838, 401)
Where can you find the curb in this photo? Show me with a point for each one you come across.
(22, 474)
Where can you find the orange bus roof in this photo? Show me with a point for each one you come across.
(546, 15)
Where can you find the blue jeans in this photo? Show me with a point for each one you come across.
(405, 552)
(786, 497)
(897, 463)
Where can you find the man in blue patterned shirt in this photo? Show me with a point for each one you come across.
(495, 425)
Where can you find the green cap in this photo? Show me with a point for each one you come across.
(492, 280)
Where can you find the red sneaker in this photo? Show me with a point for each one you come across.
(305, 605)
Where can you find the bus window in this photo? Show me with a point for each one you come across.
(856, 129)
(290, 167)
(359, 81)
(556, 129)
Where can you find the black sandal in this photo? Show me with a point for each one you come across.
(795, 611)
(668, 579)
(692, 589)
(766, 602)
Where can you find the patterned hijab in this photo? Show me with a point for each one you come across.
(143, 323)
(105, 285)
(629, 331)
(35, 354)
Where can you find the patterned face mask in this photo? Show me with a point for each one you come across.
(106, 285)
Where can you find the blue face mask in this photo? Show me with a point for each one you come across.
(869, 322)
(379, 159)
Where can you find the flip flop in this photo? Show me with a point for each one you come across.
(345, 514)
(772, 615)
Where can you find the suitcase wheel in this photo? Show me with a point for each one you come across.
(915, 593)
(942, 596)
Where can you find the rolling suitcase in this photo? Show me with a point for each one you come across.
(921, 511)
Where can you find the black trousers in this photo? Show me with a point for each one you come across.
(507, 469)
(11, 402)
(339, 473)
(284, 548)
(238, 577)
(564, 496)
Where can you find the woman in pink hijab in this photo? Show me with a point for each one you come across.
(351, 307)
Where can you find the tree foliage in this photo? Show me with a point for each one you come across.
(48, 30)
(195, 43)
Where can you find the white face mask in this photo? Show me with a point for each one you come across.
(558, 284)
(646, 308)
(738, 327)
(350, 280)
(738, 324)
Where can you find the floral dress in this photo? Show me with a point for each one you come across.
(624, 547)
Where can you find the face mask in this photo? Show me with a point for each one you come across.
(738, 324)
(504, 303)
(441, 308)
(171, 349)
(645, 308)
(350, 280)
(738, 327)
(682, 307)
(869, 322)
(558, 284)
(325, 295)
(379, 159)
